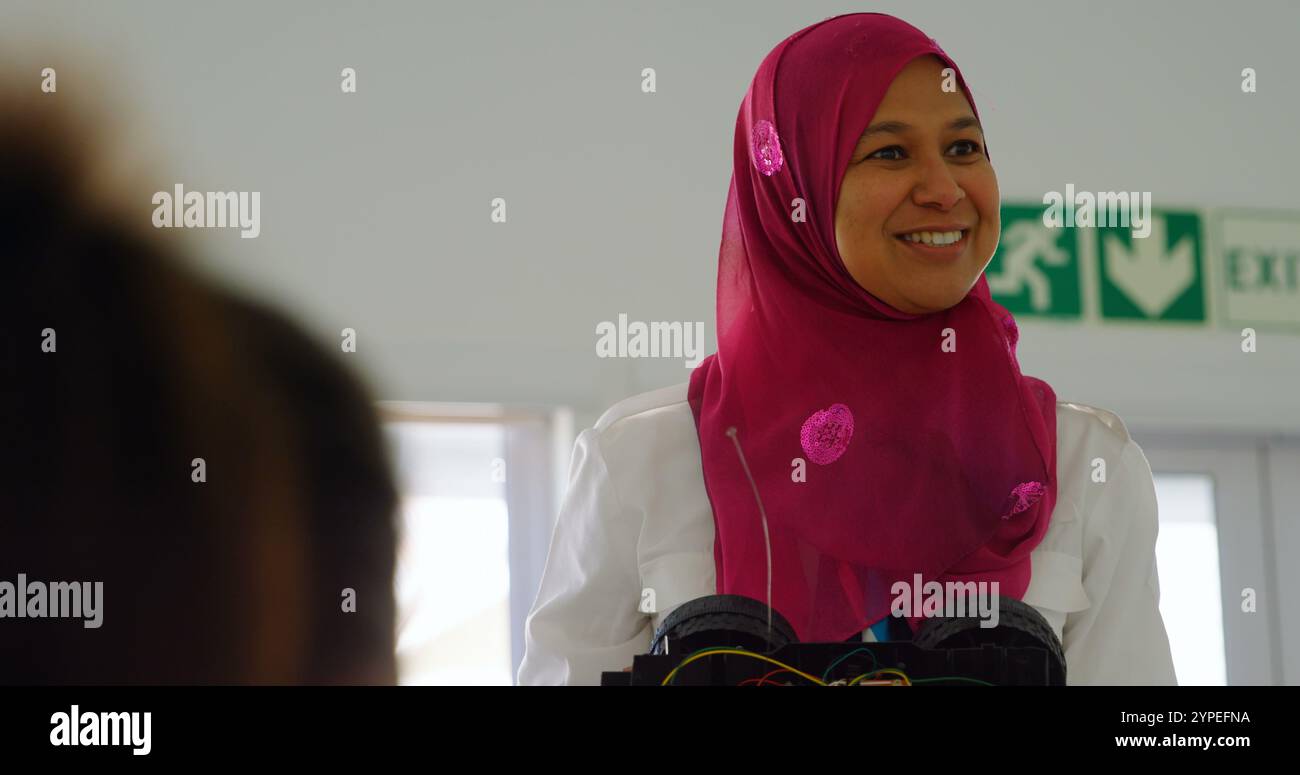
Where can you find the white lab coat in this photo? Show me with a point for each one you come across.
(636, 516)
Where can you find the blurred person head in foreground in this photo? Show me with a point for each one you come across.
(121, 366)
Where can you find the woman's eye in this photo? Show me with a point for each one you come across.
(876, 155)
(973, 148)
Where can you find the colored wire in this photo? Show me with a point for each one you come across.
(906, 681)
(761, 681)
(708, 652)
(784, 668)
(874, 663)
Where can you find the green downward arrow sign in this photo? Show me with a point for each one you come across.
(1158, 277)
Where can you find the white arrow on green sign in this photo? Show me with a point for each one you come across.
(1158, 277)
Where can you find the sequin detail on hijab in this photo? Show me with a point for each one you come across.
(1013, 333)
(767, 148)
(826, 434)
(1025, 494)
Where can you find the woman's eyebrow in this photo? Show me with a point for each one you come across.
(898, 127)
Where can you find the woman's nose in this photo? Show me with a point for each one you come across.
(937, 186)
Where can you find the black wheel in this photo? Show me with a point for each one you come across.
(721, 621)
(1019, 626)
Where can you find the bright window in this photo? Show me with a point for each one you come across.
(453, 570)
(1187, 557)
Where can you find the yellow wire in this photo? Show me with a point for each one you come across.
(700, 655)
(742, 653)
(906, 681)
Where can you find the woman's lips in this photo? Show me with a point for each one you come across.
(938, 252)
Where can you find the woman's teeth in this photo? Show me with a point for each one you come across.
(934, 237)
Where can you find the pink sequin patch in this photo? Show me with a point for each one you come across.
(1025, 495)
(1013, 333)
(826, 434)
(766, 147)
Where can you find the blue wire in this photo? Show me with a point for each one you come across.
(874, 663)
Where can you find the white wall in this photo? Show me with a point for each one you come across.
(375, 205)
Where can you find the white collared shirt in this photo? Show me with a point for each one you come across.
(636, 516)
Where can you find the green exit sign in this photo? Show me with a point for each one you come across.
(1261, 268)
(1035, 270)
(1047, 271)
(1157, 277)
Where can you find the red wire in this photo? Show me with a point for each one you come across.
(764, 678)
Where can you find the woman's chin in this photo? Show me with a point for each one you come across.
(929, 301)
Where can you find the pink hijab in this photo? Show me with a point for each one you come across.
(917, 460)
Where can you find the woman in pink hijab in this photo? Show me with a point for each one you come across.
(857, 340)
(864, 422)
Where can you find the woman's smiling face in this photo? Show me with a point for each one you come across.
(920, 166)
